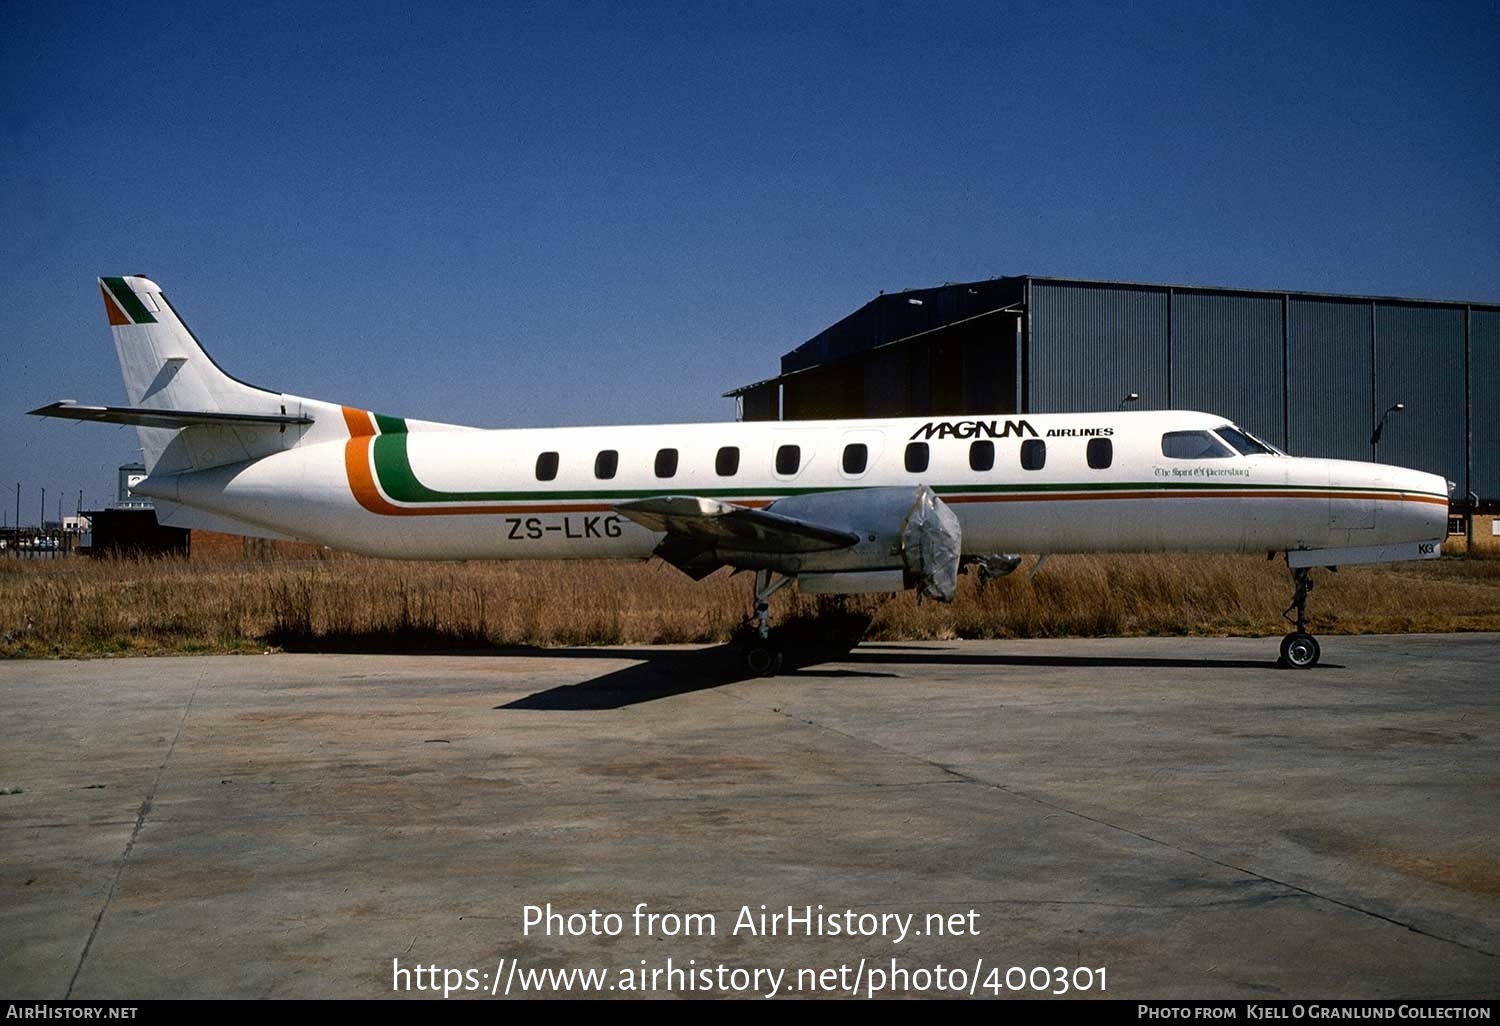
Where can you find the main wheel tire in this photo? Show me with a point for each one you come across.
(1299, 651)
(762, 660)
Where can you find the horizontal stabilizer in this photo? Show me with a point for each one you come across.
(724, 525)
(141, 416)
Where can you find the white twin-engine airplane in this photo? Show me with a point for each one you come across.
(839, 507)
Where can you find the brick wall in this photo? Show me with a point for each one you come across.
(1485, 541)
(214, 547)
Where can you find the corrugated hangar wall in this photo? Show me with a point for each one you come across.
(1484, 402)
(1227, 356)
(1419, 361)
(1311, 372)
(1329, 375)
(1075, 356)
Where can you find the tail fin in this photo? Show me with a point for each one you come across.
(164, 365)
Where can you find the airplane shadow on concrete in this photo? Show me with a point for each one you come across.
(666, 674)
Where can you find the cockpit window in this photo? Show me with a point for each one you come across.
(1262, 441)
(1193, 445)
(1247, 444)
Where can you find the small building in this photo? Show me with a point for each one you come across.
(130, 475)
(133, 531)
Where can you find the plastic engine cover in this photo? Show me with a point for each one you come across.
(931, 543)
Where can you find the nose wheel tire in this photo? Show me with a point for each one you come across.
(1299, 650)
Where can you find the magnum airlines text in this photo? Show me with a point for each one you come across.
(1001, 429)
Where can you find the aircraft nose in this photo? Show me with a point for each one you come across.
(1424, 504)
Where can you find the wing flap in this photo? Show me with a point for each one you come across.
(711, 524)
(141, 416)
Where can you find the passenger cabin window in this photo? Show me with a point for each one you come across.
(1033, 454)
(1101, 453)
(1246, 444)
(856, 458)
(1193, 445)
(982, 455)
(788, 459)
(606, 463)
(917, 456)
(546, 466)
(666, 463)
(727, 462)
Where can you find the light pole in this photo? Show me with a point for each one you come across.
(1380, 427)
(1130, 397)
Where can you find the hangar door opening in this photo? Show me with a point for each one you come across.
(969, 367)
(974, 366)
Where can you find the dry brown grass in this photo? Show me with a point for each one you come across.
(79, 607)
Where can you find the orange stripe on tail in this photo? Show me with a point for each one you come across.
(112, 309)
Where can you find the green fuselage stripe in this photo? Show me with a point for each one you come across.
(400, 484)
(129, 301)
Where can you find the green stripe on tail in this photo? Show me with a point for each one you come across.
(129, 301)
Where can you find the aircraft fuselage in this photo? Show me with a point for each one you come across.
(1087, 482)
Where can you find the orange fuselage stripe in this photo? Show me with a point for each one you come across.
(1266, 494)
(362, 433)
(357, 464)
(595, 507)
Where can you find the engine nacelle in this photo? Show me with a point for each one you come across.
(909, 538)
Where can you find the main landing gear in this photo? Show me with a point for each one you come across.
(1299, 650)
(762, 657)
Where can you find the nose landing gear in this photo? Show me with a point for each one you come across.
(1299, 650)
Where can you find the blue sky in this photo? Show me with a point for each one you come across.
(601, 213)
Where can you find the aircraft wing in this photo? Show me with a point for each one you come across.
(698, 528)
(854, 529)
(142, 416)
